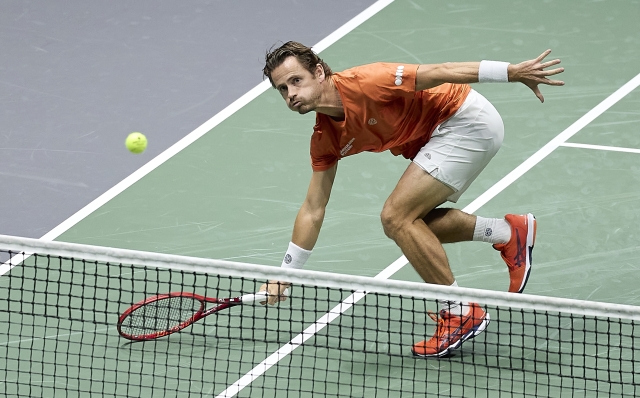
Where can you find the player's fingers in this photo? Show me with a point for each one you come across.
(538, 94)
(550, 63)
(555, 83)
(552, 72)
(543, 55)
(550, 82)
(274, 296)
(284, 292)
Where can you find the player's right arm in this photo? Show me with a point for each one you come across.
(308, 223)
(530, 73)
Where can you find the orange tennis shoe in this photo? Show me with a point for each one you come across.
(452, 331)
(517, 252)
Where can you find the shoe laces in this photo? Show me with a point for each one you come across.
(439, 318)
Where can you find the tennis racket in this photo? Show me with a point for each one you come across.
(164, 314)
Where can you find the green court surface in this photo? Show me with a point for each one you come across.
(234, 193)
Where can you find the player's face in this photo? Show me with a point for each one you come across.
(298, 87)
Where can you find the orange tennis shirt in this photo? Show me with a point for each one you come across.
(383, 112)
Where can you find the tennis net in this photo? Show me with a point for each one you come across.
(60, 303)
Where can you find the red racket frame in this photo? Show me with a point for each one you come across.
(201, 313)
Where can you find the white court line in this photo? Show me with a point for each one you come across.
(601, 147)
(480, 201)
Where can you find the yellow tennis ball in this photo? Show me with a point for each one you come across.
(136, 142)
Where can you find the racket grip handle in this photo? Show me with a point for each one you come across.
(250, 298)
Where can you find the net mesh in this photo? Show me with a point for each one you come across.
(59, 338)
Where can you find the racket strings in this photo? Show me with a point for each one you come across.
(160, 315)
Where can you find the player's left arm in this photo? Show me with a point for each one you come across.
(530, 73)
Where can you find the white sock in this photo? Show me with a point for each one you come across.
(492, 230)
(454, 307)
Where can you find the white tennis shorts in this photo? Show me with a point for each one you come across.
(461, 147)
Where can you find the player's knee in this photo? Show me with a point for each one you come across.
(391, 221)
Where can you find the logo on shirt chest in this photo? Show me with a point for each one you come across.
(372, 121)
(347, 147)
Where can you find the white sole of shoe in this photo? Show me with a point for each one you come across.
(531, 236)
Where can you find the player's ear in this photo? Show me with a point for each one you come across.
(319, 72)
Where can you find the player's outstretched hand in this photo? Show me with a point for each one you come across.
(534, 72)
(276, 291)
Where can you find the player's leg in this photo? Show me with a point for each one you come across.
(403, 215)
(451, 225)
(514, 236)
(416, 194)
(456, 154)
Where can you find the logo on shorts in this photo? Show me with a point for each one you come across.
(372, 121)
(287, 259)
(427, 155)
(399, 72)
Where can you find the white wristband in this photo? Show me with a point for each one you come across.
(493, 72)
(295, 256)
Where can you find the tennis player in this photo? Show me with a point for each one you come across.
(430, 115)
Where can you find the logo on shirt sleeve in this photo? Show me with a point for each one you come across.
(399, 72)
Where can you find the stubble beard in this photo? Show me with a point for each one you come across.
(311, 105)
(302, 110)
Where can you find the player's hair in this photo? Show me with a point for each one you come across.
(304, 55)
